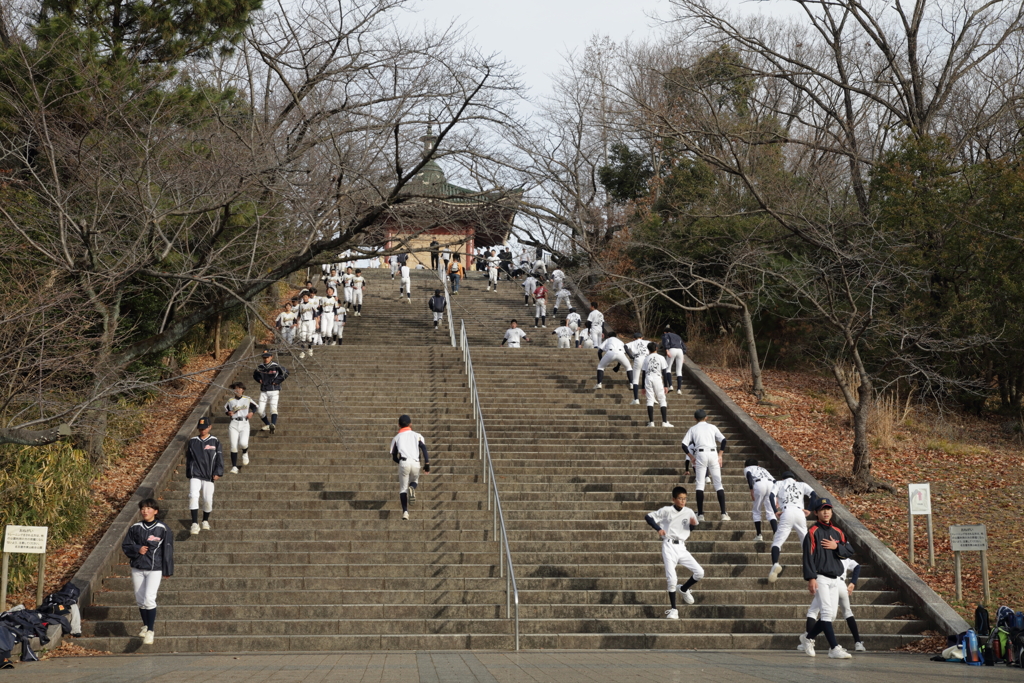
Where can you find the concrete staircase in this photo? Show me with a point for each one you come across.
(308, 551)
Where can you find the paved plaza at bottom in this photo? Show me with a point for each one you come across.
(575, 666)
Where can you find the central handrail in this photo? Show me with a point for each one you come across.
(504, 551)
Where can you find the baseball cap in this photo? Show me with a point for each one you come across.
(824, 503)
(637, 335)
(204, 422)
(267, 354)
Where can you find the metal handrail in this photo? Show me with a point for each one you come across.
(447, 304)
(504, 550)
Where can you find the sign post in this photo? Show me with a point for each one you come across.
(970, 538)
(23, 539)
(920, 503)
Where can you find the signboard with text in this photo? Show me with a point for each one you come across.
(968, 538)
(920, 499)
(25, 539)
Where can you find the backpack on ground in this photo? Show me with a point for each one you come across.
(981, 622)
(999, 645)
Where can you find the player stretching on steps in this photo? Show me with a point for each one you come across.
(653, 376)
(239, 408)
(674, 523)
(761, 483)
(270, 375)
(706, 444)
(564, 334)
(614, 351)
(562, 298)
(637, 351)
(787, 498)
(513, 335)
(406, 448)
(824, 549)
(675, 349)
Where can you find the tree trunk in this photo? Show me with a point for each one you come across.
(216, 337)
(97, 434)
(755, 363)
(861, 448)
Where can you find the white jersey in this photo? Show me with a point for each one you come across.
(286, 319)
(306, 310)
(675, 522)
(408, 443)
(573, 318)
(405, 272)
(513, 335)
(584, 334)
(702, 435)
(563, 332)
(358, 282)
(328, 304)
(333, 281)
(614, 345)
(346, 279)
(240, 407)
(596, 319)
(638, 348)
(849, 565)
(558, 274)
(790, 493)
(654, 364)
(758, 473)
(492, 262)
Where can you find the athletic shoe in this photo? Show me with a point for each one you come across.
(635, 402)
(265, 428)
(310, 353)
(700, 518)
(144, 631)
(773, 575)
(194, 529)
(148, 639)
(206, 525)
(707, 480)
(758, 538)
(544, 326)
(273, 427)
(837, 653)
(412, 495)
(534, 327)
(405, 515)
(671, 614)
(807, 643)
(726, 517)
(800, 647)
(679, 391)
(302, 355)
(599, 386)
(488, 289)
(234, 470)
(687, 596)
(650, 424)
(859, 647)
(667, 424)
(245, 458)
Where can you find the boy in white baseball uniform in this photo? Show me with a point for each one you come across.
(596, 320)
(358, 286)
(760, 481)
(845, 592)
(334, 280)
(492, 271)
(706, 444)
(529, 284)
(559, 279)
(612, 351)
(824, 549)
(393, 263)
(513, 335)
(270, 375)
(308, 319)
(653, 375)
(562, 297)
(406, 284)
(406, 449)
(637, 351)
(346, 285)
(574, 322)
(239, 408)
(675, 349)
(674, 523)
(787, 498)
(204, 465)
(327, 312)
(540, 300)
(564, 334)
(584, 340)
(285, 324)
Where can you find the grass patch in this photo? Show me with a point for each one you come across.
(954, 448)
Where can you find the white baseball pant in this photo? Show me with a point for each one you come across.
(563, 343)
(827, 596)
(790, 519)
(638, 365)
(408, 473)
(197, 486)
(597, 335)
(326, 325)
(348, 295)
(307, 329)
(288, 334)
(558, 284)
(492, 276)
(610, 357)
(706, 465)
(844, 603)
(146, 583)
(587, 343)
(438, 316)
(540, 308)
(655, 388)
(761, 490)
(575, 327)
(675, 362)
(357, 297)
(407, 286)
(238, 433)
(675, 554)
(394, 268)
(268, 399)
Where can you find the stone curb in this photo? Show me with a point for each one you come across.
(905, 581)
(107, 552)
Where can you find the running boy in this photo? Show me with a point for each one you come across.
(308, 319)
(706, 444)
(540, 300)
(787, 498)
(637, 351)
(285, 324)
(596, 320)
(513, 335)
(492, 271)
(149, 545)
(437, 305)
(406, 449)
(674, 523)
(406, 283)
(824, 549)
(760, 481)
(346, 285)
(204, 465)
(239, 409)
(358, 286)
(327, 312)
(270, 375)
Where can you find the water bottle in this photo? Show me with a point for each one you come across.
(972, 656)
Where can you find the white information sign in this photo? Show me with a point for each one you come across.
(25, 539)
(920, 499)
(968, 537)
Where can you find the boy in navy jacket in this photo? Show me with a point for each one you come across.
(149, 545)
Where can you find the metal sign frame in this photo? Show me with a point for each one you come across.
(965, 538)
